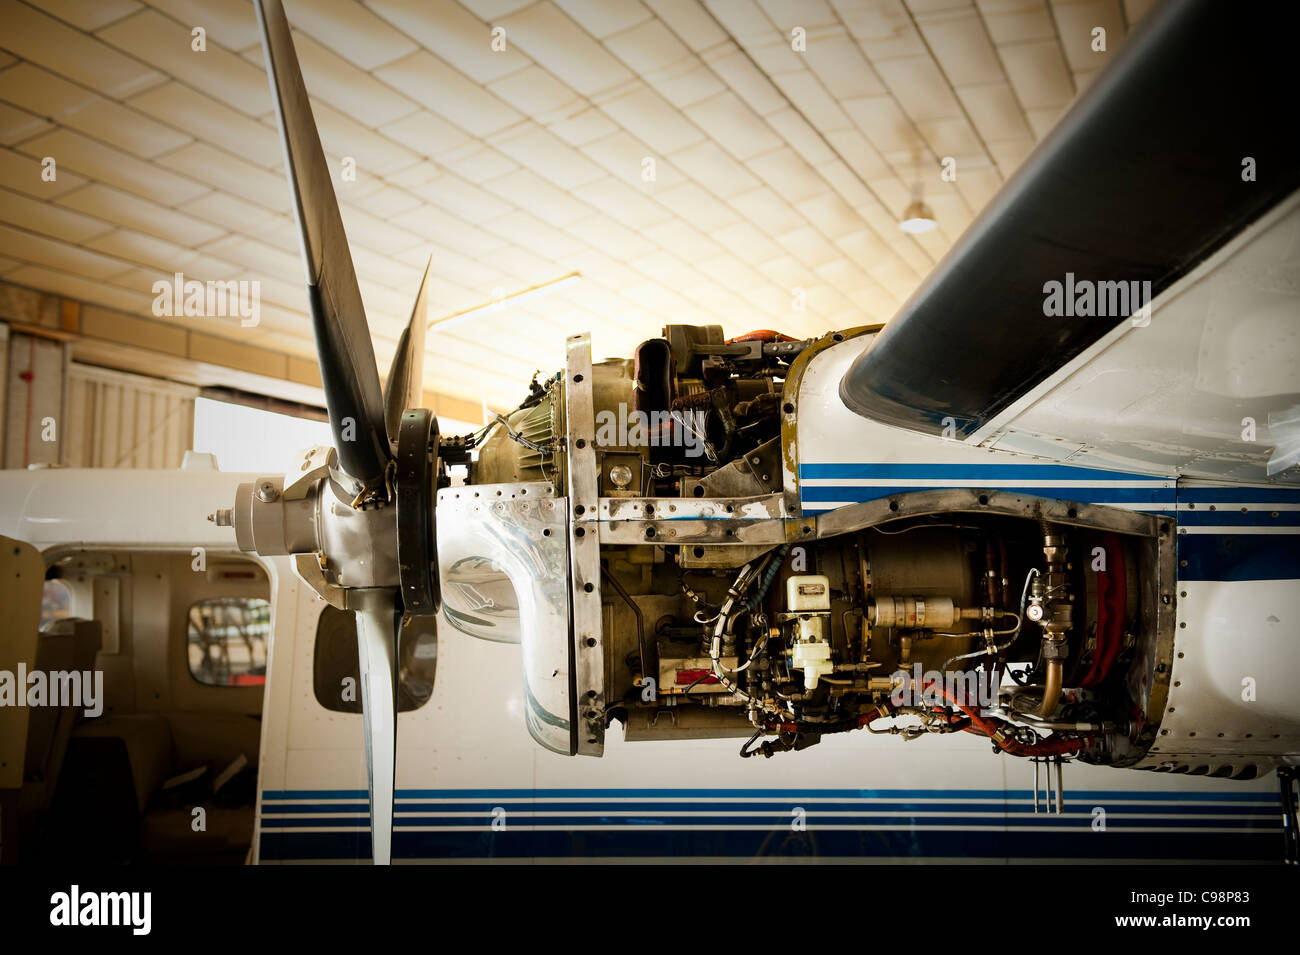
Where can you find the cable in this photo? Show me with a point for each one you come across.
(759, 644)
(745, 751)
(535, 394)
(516, 436)
(769, 573)
(743, 579)
(696, 682)
(993, 649)
(963, 527)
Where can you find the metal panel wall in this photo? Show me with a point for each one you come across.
(116, 420)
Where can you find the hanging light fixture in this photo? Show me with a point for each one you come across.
(918, 217)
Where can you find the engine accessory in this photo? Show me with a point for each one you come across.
(808, 604)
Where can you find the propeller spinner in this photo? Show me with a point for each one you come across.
(345, 507)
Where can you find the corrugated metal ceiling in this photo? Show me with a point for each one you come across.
(774, 168)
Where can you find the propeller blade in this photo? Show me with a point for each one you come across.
(348, 372)
(379, 625)
(404, 387)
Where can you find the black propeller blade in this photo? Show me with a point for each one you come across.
(404, 388)
(347, 359)
(367, 444)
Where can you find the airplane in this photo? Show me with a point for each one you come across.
(1049, 509)
(472, 784)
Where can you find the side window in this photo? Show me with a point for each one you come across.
(227, 640)
(336, 668)
(56, 602)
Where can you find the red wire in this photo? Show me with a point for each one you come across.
(1048, 747)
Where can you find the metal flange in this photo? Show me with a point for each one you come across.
(417, 548)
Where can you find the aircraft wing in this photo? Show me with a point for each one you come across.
(1131, 297)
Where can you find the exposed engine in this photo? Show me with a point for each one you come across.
(1008, 626)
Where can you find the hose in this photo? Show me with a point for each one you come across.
(838, 726)
(1007, 743)
(765, 582)
(762, 335)
(743, 580)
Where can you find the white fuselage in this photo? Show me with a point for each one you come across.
(472, 784)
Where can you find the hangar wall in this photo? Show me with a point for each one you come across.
(55, 356)
(35, 381)
(57, 411)
(116, 420)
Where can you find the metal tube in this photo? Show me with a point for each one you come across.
(640, 620)
(1051, 690)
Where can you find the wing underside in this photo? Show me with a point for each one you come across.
(1148, 239)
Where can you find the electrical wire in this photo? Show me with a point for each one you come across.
(963, 527)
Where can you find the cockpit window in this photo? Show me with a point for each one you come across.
(228, 639)
(336, 670)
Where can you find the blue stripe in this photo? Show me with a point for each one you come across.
(1012, 832)
(781, 842)
(1239, 495)
(1261, 518)
(964, 794)
(1257, 516)
(661, 806)
(315, 794)
(1238, 556)
(1091, 495)
(777, 820)
(1256, 820)
(346, 822)
(963, 472)
(293, 808)
(1160, 490)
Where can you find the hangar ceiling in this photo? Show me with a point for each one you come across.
(773, 168)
